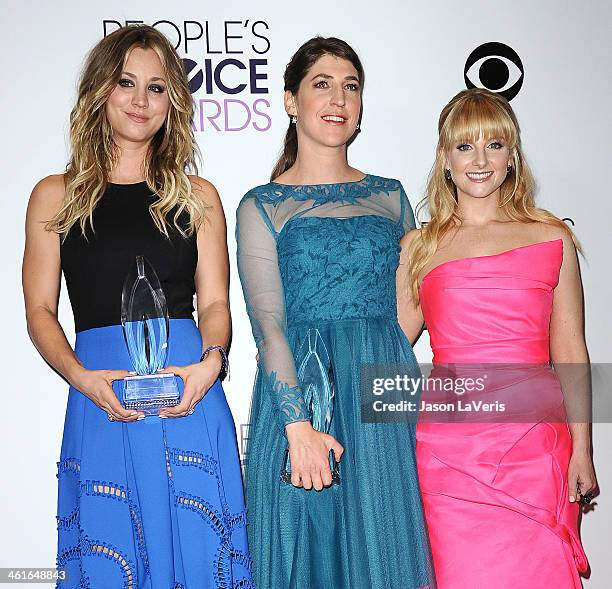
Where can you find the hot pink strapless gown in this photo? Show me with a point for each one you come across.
(495, 494)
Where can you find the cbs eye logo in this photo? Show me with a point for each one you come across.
(496, 67)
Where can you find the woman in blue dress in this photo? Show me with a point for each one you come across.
(318, 251)
(151, 502)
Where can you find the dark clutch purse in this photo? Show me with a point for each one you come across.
(315, 376)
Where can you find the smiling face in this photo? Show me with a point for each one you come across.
(479, 168)
(328, 102)
(138, 106)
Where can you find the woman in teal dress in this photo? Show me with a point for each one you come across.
(317, 254)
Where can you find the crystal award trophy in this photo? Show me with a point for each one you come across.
(316, 381)
(145, 322)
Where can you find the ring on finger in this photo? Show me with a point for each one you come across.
(110, 417)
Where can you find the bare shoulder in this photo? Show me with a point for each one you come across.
(205, 190)
(409, 237)
(47, 195)
(548, 232)
(50, 187)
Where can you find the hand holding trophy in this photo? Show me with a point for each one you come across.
(316, 379)
(146, 328)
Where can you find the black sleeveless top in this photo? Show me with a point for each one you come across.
(95, 268)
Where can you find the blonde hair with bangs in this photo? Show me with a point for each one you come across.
(472, 114)
(172, 152)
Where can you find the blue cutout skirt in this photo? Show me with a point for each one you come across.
(153, 504)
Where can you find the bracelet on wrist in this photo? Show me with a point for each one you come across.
(224, 361)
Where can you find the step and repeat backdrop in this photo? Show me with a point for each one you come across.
(550, 58)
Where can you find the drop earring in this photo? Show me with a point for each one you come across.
(447, 174)
(293, 119)
(509, 169)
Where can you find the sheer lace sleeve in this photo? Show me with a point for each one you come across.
(407, 214)
(263, 292)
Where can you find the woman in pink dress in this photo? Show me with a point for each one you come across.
(496, 281)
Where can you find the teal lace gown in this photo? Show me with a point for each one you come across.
(317, 265)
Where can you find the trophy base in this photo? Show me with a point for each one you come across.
(334, 466)
(150, 393)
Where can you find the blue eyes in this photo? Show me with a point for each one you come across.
(155, 88)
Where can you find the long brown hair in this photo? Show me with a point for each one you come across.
(172, 152)
(472, 114)
(301, 62)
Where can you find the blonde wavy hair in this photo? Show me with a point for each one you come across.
(172, 152)
(472, 114)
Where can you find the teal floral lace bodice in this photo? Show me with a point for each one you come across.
(339, 268)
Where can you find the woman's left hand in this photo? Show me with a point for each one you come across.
(197, 380)
(581, 475)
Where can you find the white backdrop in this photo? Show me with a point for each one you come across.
(414, 55)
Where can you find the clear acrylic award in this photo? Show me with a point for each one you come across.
(146, 326)
(316, 380)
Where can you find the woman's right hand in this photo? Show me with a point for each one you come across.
(97, 385)
(309, 455)
(41, 286)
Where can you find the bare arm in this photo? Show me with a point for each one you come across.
(41, 274)
(567, 345)
(409, 315)
(212, 272)
(571, 361)
(212, 285)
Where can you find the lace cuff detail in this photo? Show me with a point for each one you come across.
(290, 401)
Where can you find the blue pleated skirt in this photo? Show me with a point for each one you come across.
(153, 504)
